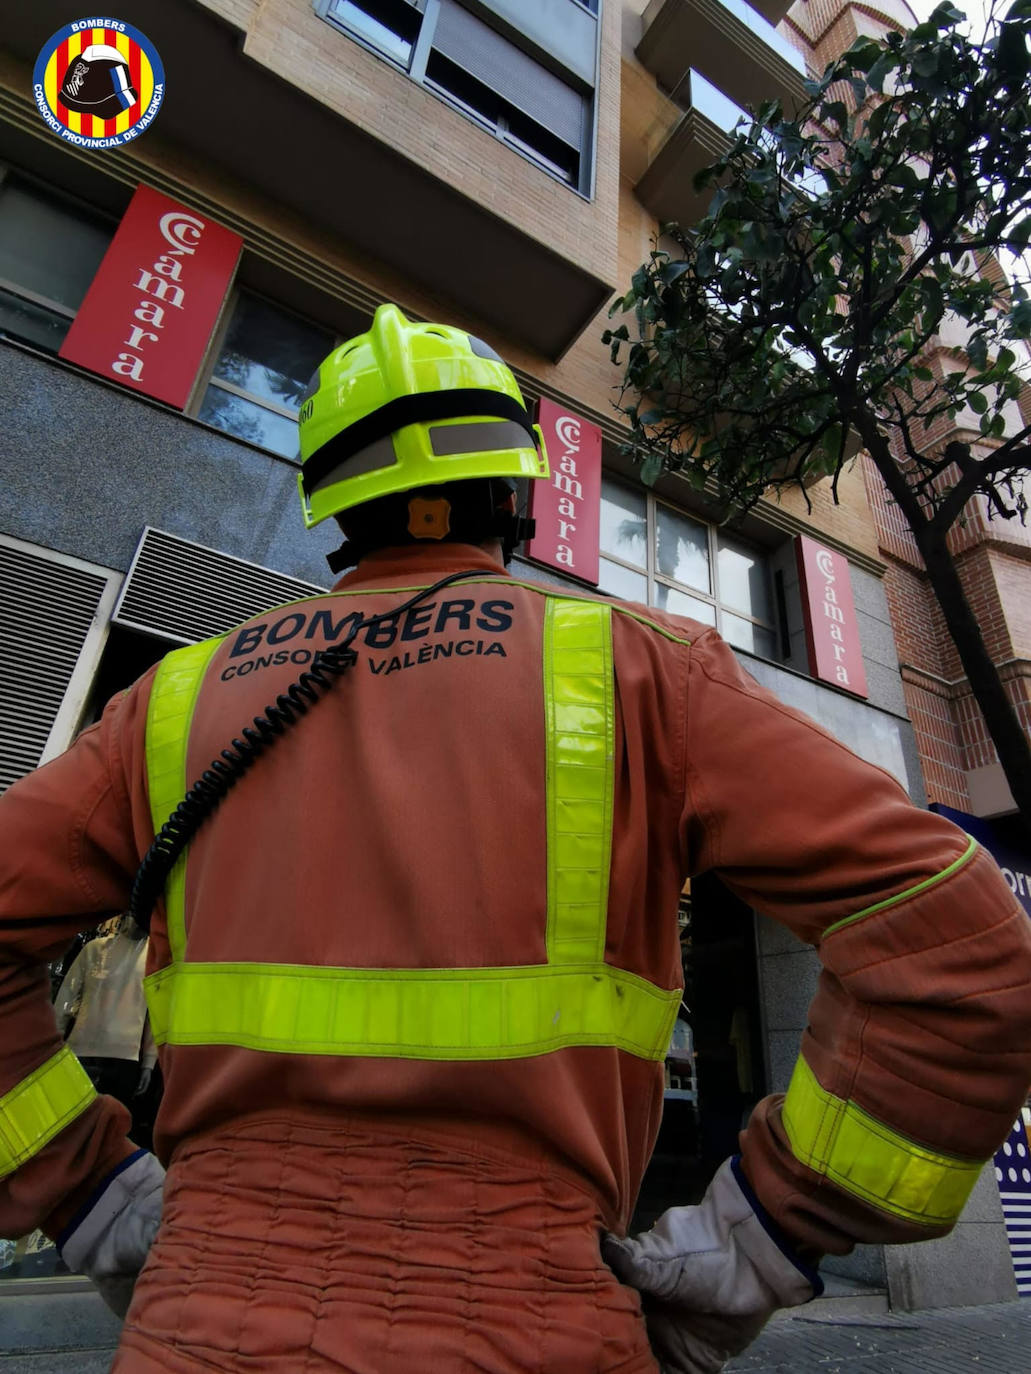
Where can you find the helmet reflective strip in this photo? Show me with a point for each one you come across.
(40, 1106)
(865, 1157)
(375, 458)
(480, 436)
(452, 1013)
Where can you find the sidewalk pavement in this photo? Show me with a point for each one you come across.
(73, 1333)
(992, 1339)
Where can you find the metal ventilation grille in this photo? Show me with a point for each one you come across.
(46, 611)
(185, 592)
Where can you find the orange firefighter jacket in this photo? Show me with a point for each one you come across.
(402, 825)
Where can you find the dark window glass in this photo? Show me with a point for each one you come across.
(49, 253)
(246, 420)
(391, 26)
(270, 353)
(262, 373)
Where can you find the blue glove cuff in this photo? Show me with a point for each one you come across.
(773, 1230)
(94, 1197)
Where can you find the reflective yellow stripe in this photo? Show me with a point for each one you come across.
(914, 891)
(172, 699)
(445, 1013)
(864, 1157)
(35, 1109)
(579, 704)
(448, 1013)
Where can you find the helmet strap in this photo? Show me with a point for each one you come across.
(512, 529)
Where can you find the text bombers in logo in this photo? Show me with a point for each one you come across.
(98, 83)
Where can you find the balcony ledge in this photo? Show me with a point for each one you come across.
(705, 35)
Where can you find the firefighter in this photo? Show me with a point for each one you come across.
(414, 969)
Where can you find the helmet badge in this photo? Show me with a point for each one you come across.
(429, 519)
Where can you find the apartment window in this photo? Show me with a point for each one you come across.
(389, 26)
(260, 373)
(50, 250)
(478, 71)
(662, 557)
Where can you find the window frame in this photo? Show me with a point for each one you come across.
(655, 578)
(581, 184)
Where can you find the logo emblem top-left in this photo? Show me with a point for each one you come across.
(98, 83)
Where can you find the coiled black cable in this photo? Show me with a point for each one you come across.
(233, 762)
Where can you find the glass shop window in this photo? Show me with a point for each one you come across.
(662, 557)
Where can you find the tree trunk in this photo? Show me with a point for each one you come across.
(1011, 743)
(1000, 717)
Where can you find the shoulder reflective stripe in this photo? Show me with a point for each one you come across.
(953, 867)
(40, 1106)
(169, 713)
(839, 1140)
(579, 704)
(443, 1014)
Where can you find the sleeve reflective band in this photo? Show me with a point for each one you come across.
(40, 1106)
(173, 696)
(865, 1157)
(579, 704)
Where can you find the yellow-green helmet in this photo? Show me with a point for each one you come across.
(405, 406)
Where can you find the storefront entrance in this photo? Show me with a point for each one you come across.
(715, 1071)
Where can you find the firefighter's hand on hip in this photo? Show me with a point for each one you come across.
(710, 1276)
(109, 1243)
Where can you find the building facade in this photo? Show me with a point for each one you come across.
(502, 166)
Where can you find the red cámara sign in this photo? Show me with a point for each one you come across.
(149, 312)
(832, 630)
(567, 507)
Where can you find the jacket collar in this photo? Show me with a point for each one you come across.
(412, 564)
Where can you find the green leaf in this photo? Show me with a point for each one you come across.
(671, 271)
(978, 402)
(863, 54)
(651, 469)
(835, 110)
(1011, 56)
(887, 62)
(1020, 320)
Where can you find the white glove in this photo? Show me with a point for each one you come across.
(711, 1276)
(109, 1242)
